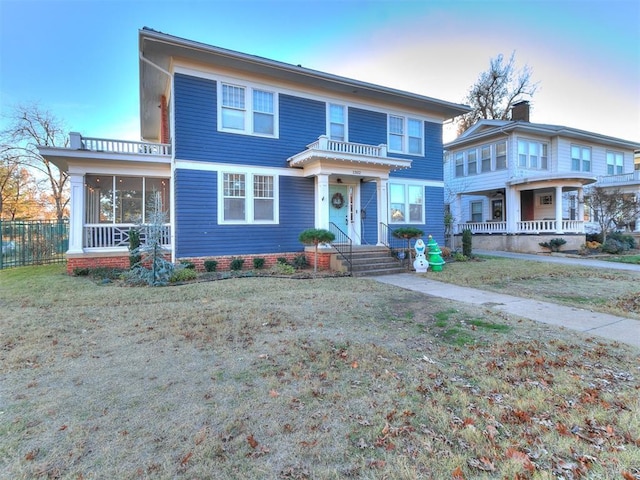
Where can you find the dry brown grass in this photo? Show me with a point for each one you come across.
(320, 379)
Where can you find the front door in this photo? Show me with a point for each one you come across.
(342, 210)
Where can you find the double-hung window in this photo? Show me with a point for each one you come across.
(459, 159)
(615, 163)
(501, 156)
(248, 198)
(337, 127)
(580, 158)
(406, 135)
(485, 158)
(476, 212)
(247, 110)
(472, 162)
(406, 203)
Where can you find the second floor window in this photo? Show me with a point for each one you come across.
(485, 158)
(615, 163)
(337, 122)
(247, 110)
(580, 158)
(406, 135)
(459, 159)
(501, 156)
(472, 162)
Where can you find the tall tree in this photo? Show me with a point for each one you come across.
(496, 90)
(30, 127)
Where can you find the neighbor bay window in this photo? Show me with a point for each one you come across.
(532, 154)
(580, 158)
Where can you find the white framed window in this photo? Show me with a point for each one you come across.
(472, 162)
(459, 159)
(615, 163)
(476, 212)
(485, 158)
(406, 203)
(247, 198)
(501, 156)
(580, 158)
(247, 110)
(405, 135)
(532, 155)
(337, 122)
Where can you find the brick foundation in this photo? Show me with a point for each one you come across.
(119, 260)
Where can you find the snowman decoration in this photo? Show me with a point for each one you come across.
(420, 264)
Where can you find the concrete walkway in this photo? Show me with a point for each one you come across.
(620, 329)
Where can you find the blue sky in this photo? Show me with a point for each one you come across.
(79, 59)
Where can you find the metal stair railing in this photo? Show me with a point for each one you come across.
(395, 245)
(343, 244)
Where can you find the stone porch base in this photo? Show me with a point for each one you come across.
(520, 243)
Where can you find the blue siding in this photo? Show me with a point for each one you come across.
(369, 205)
(199, 235)
(367, 127)
(430, 166)
(197, 138)
(434, 204)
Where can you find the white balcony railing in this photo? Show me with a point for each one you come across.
(324, 143)
(99, 235)
(529, 226)
(619, 179)
(79, 142)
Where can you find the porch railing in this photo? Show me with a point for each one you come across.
(118, 146)
(528, 226)
(117, 235)
(396, 246)
(343, 244)
(326, 144)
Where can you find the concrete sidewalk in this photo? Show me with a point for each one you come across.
(620, 329)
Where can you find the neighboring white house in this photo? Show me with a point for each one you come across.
(516, 184)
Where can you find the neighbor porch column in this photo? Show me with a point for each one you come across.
(637, 229)
(322, 201)
(512, 209)
(559, 209)
(76, 205)
(383, 208)
(580, 201)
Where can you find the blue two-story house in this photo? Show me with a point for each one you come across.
(246, 152)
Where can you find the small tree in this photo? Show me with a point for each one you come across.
(612, 209)
(408, 233)
(467, 239)
(315, 236)
(153, 268)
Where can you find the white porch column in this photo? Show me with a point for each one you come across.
(322, 201)
(383, 210)
(76, 205)
(580, 200)
(512, 208)
(559, 210)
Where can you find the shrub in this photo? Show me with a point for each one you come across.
(188, 264)
(467, 240)
(300, 262)
(81, 272)
(236, 264)
(613, 246)
(258, 262)
(554, 244)
(134, 247)
(183, 275)
(282, 268)
(282, 260)
(446, 251)
(210, 265)
(459, 257)
(594, 237)
(627, 240)
(315, 236)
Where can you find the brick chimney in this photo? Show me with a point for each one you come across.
(520, 111)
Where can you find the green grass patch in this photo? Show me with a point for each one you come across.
(494, 327)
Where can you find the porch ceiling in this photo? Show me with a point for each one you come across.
(575, 179)
(319, 162)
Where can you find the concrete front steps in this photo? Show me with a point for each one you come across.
(371, 260)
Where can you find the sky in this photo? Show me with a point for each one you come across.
(79, 59)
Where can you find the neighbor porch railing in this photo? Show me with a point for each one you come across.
(117, 235)
(528, 226)
(621, 178)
